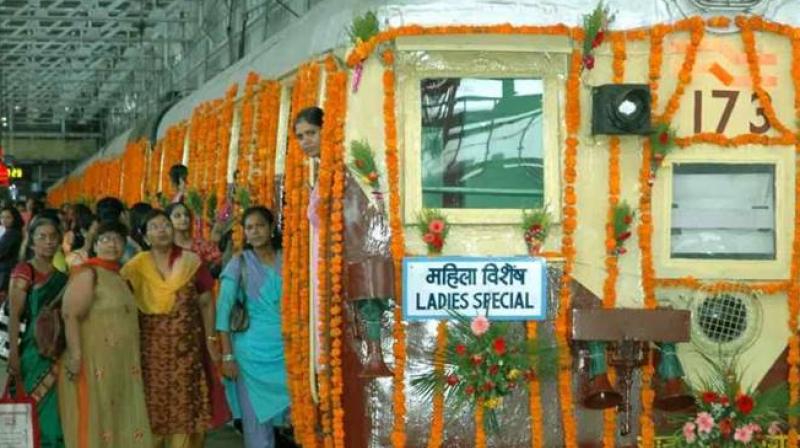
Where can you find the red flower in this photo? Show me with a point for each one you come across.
(494, 369)
(469, 390)
(359, 163)
(438, 242)
(452, 379)
(436, 226)
(726, 428)
(588, 61)
(535, 228)
(723, 400)
(461, 349)
(621, 251)
(663, 138)
(487, 386)
(624, 236)
(499, 346)
(710, 397)
(598, 39)
(477, 359)
(628, 219)
(745, 404)
(428, 238)
(373, 176)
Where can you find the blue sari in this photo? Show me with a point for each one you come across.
(258, 350)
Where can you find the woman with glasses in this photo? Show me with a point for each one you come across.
(35, 284)
(100, 391)
(172, 288)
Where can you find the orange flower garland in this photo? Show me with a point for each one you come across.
(645, 231)
(685, 74)
(794, 291)
(296, 272)
(437, 414)
(748, 40)
(535, 397)
(398, 252)
(692, 283)
(612, 270)
(570, 212)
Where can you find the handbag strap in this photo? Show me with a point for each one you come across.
(241, 293)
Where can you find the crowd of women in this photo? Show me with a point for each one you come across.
(146, 343)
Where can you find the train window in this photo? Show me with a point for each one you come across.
(482, 143)
(483, 127)
(723, 211)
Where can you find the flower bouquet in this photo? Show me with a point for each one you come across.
(662, 142)
(362, 29)
(536, 225)
(595, 26)
(363, 163)
(433, 227)
(485, 362)
(727, 416)
(623, 218)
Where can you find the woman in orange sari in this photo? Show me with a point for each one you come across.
(173, 291)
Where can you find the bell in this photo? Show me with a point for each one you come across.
(370, 313)
(373, 366)
(671, 391)
(597, 392)
(672, 396)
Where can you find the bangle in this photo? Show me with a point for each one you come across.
(228, 357)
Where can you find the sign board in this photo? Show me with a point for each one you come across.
(501, 288)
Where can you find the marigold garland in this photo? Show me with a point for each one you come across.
(398, 252)
(685, 74)
(611, 262)
(296, 272)
(645, 231)
(535, 397)
(437, 414)
(570, 212)
(749, 43)
(794, 291)
(766, 288)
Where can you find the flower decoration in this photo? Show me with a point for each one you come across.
(536, 225)
(363, 162)
(727, 416)
(595, 26)
(363, 29)
(662, 142)
(485, 362)
(623, 218)
(433, 228)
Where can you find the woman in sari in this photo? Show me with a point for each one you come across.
(172, 289)
(182, 223)
(34, 284)
(100, 390)
(253, 359)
